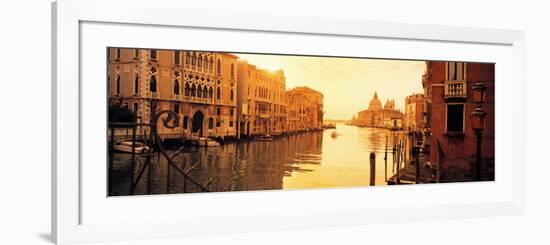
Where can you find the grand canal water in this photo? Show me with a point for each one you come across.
(308, 160)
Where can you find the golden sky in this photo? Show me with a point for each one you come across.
(347, 84)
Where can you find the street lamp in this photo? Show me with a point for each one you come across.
(478, 116)
(478, 119)
(479, 93)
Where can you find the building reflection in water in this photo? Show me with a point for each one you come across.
(308, 160)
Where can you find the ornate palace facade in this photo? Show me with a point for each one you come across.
(199, 86)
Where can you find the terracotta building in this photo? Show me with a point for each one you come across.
(305, 109)
(449, 105)
(261, 100)
(414, 107)
(200, 86)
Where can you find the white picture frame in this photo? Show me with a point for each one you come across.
(67, 200)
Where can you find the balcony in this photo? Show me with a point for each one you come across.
(264, 116)
(456, 89)
(155, 95)
(198, 100)
(177, 97)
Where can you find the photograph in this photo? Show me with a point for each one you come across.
(193, 121)
(245, 122)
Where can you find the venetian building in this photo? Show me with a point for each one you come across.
(261, 100)
(305, 109)
(297, 120)
(199, 86)
(371, 117)
(316, 104)
(391, 118)
(375, 104)
(414, 107)
(378, 116)
(449, 103)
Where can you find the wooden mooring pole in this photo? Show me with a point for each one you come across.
(398, 163)
(386, 160)
(417, 162)
(372, 168)
(111, 160)
(133, 166)
(393, 153)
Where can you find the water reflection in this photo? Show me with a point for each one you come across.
(309, 160)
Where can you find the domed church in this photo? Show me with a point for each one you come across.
(378, 116)
(375, 103)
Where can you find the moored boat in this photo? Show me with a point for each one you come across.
(204, 141)
(126, 146)
(329, 126)
(265, 137)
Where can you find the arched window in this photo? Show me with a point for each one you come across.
(210, 123)
(176, 87)
(136, 85)
(210, 93)
(211, 64)
(218, 93)
(219, 66)
(117, 89)
(194, 91)
(199, 92)
(231, 95)
(193, 60)
(187, 89)
(205, 63)
(199, 64)
(232, 71)
(153, 84)
(187, 58)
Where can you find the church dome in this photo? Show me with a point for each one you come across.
(375, 103)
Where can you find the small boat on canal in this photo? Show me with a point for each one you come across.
(266, 137)
(126, 146)
(207, 142)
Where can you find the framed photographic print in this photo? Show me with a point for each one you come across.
(174, 125)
